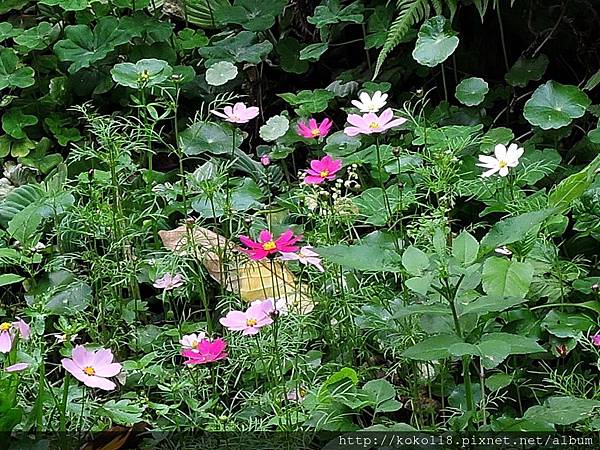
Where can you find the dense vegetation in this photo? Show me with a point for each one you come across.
(307, 215)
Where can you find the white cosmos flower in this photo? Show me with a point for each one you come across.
(370, 104)
(191, 341)
(501, 161)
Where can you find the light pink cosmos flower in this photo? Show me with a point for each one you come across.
(92, 368)
(596, 339)
(322, 169)
(313, 130)
(297, 394)
(168, 282)
(192, 341)
(305, 256)
(372, 123)
(9, 330)
(270, 306)
(208, 351)
(249, 322)
(240, 113)
(18, 367)
(265, 160)
(266, 245)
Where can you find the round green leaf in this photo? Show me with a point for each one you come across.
(144, 73)
(555, 105)
(210, 137)
(275, 127)
(67, 5)
(471, 91)
(526, 70)
(220, 73)
(436, 41)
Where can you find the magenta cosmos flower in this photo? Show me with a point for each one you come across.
(266, 245)
(251, 321)
(314, 130)
(240, 113)
(372, 123)
(207, 351)
(305, 256)
(9, 330)
(92, 368)
(596, 339)
(322, 169)
(168, 282)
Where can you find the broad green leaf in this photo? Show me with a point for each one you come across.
(498, 381)
(537, 164)
(84, 47)
(500, 135)
(274, 128)
(526, 70)
(567, 325)
(210, 137)
(14, 121)
(252, 15)
(36, 38)
(513, 229)
(415, 261)
(435, 43)
(17, 200)
(436, 347)
(571, 188)
(382, 394)
(288, 50)
(506, 278)
(563, 410)
(220, 73)
(368, 258)
(593, 81)
(519, 345)
(313, 52)
(12, 74)
(242, 198)
(465, 248)
(490, 303)
(67, 5)
(471, 91)
(144, 73)
(243, 47)
(373, 208)
(309, 102)
(189, 39)
(420, 285)
(23, 226)
(333, 13)
(555, 105)
(10, 278)
(493, 352)
(462, 349)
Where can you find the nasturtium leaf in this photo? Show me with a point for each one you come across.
(144, 73)
(210, 137)
(288, 50)
(252, 15)
(15, 120)
(465, 248)
(36, 38)
(274, 128)
(309, 102)
(220, 73)
(83, 47)
(563, 410)
(526, 70)
(313, 52)
(471, 91)
(67, 5)
(12, 74)
(554, 105)
(436, 41)
(436, 347)
(243, 47)
(333, 13)
(505, 277)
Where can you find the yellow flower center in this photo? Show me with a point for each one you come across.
(502, 164)
(324, 173)
(251, 322)
(373, 125)
(5, 326)
(315, 132)
(269, 246)
(89, 371)
(194, 344)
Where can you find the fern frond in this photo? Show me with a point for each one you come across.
(409, 13)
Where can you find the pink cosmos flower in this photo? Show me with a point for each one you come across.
(18, 367)
(92, 368)
(372, 123)
(249, 322)
(297, 395)
(8, 331)
(265, 160)
(322, 169)
(305, 256)
(168, 282)
(314, 130)
(192, 341)
(207, 351)
(240, 113)
(270, 305)
(266, 245)
(596, 339)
